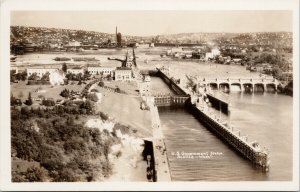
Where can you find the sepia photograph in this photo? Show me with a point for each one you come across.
(152, 96)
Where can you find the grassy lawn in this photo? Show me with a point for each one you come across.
(125, 109)
(129, 87)
(21, 90)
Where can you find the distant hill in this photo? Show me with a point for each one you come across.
(55, 35)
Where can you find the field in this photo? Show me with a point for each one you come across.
(21, 90)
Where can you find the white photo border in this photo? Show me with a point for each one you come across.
(13, 5)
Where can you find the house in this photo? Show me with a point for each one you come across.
(75, 70)
(123, 74)
(97, 70)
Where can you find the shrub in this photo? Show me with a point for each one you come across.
(101, 84)
(93, 97)
(65, 93)
(29, 100)
(118, 90)
(36, 174)
(104, 116)
(119, 153)
(38, 82)
(48, 102)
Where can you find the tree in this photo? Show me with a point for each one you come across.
(12, 77)
(86, 75)
(29, 100)
(33, 77)
(109, 77)
(118, 90)
(12, 100)
(70, 120)
(64, 67)
(25, 112)
(65, 93)
(48, 102)
(36, 174)
(46, 77)
(101, 84)
(92, 97)
(79, 77)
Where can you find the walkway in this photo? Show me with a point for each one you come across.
(159, 147)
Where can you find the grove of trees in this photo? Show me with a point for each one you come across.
(65, 149)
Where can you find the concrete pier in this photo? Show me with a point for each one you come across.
(250, 150)
(162, 169)
(218, 101)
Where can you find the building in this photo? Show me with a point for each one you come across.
(74, 43)
(57, 77)
(215, 52)
(118, 38)
(123, 74)
(208, 56)
(97, 70)
(40, 71)
(75, 70)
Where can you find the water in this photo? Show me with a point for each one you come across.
(266, 118)
(157, 86)
(263, 117)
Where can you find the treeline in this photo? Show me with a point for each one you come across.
(17, 76)
(65, 149)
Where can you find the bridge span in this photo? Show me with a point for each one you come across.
(244, 84)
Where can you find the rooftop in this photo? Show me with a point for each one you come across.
(76, 68)
(123, 68)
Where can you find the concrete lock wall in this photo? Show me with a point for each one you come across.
(235, 141)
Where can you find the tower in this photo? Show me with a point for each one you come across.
(116, 33)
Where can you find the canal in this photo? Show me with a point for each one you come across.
(263, 117)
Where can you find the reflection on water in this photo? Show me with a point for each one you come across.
(266, 118)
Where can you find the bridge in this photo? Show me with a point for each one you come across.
(244, 84)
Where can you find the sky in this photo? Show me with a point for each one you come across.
(146, 23)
